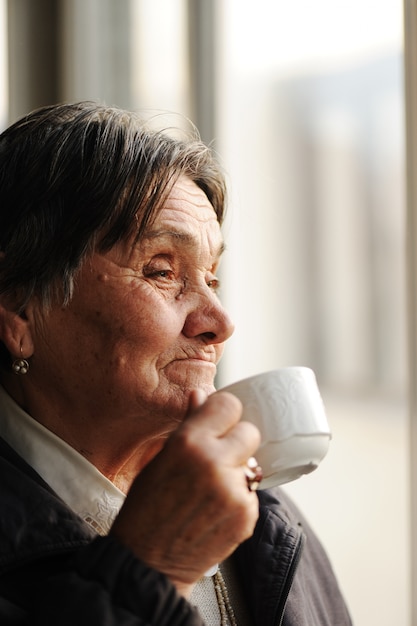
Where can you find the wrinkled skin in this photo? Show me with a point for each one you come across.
(125, 374)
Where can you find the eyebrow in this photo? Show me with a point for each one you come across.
(178, 235)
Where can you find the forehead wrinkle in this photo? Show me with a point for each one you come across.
(187, 239)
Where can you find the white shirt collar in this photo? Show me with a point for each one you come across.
(74, 479)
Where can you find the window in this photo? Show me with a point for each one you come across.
(311, 130)
(304, 102)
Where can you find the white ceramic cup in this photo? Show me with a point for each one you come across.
(286, 405)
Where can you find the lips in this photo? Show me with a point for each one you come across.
(195, 361)
(200, 365)
(200, 356)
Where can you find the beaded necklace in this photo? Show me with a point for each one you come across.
(225, 606)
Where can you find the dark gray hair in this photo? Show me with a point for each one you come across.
(80, 177)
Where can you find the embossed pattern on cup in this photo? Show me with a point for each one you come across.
(287, 407)
(282, 403)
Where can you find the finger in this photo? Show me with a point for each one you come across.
(220, 412)
(219, 416)
(197, 398)
(244, 440)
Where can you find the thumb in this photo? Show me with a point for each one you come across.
(197, 398)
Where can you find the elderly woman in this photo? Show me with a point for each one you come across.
(124, 479)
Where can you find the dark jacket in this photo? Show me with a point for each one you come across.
(54, 571)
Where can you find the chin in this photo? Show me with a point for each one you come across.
(208, 388)
(178, 403)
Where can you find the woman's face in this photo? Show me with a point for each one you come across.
(145, 325)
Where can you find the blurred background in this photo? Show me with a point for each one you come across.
(304, 102)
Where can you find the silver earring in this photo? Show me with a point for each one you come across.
(20, 366)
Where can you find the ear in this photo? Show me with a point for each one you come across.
(15, 331)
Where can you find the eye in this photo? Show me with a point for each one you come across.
(159, 269)
(214, 284)
(155, 273)
(163, 273)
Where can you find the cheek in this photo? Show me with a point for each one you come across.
(146, 330)
(153, 334)
(125, 320)
(151, 315)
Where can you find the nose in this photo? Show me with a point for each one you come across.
(208, 319)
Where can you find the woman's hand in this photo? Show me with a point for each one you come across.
(190, 507)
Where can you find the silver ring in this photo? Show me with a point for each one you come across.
(253, 473)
